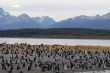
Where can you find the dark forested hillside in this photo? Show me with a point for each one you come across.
(57, 33)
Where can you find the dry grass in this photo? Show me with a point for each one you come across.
(80, 47)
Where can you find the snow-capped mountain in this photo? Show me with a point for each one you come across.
(8, 21)
(106, 16)
(83, 17)
(3, 13)
(95, 22)
(5, 17)
(22, 21)
(44, 20)
(23, 17)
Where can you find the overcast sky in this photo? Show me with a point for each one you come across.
(57, 9)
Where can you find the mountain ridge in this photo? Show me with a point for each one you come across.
(24, 21)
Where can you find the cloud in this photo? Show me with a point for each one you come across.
(40, 9)
(58, 9)
(16, 6)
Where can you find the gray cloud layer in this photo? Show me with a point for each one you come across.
(55, 8)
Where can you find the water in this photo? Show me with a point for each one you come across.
(95, 42)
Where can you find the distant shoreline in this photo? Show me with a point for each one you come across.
(57, 33)
(59, 38)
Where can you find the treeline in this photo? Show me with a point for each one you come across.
(57, 33)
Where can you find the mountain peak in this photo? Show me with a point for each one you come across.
(23, 16)
(44, 20)
(83, 17)
(106, 16)
(1, 10)
(3, 13)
